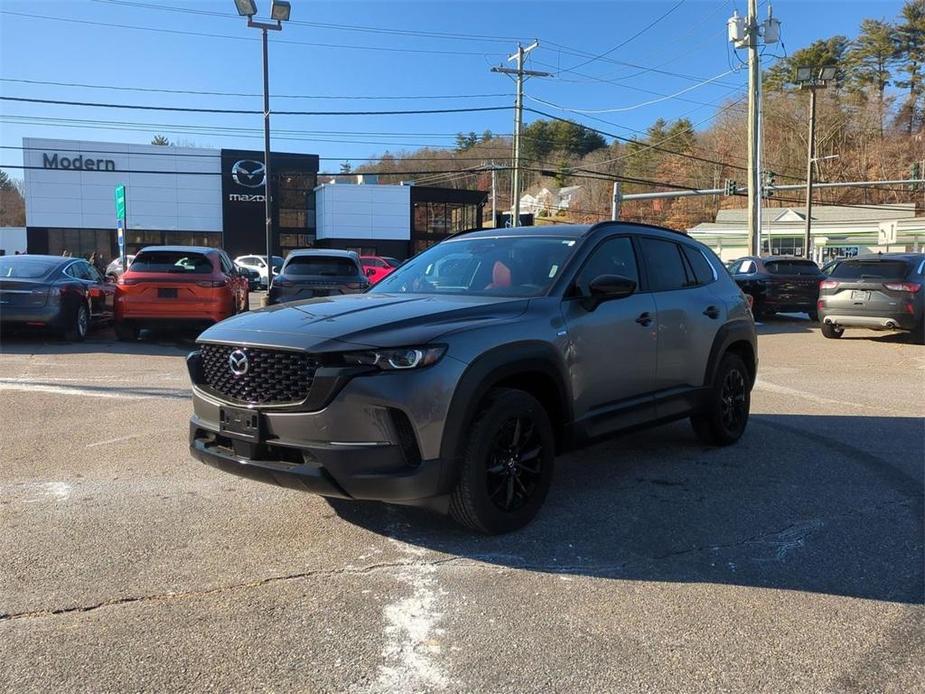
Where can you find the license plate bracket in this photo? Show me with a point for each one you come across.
(859, 295)
(166, 293)
(240, 423)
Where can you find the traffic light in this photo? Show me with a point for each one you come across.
(768, 183)
(730, 187)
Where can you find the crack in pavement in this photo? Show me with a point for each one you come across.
(493, 560)
(171, 595)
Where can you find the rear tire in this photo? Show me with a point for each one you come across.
(126, 332)
(78, 325)
(832, 332)
(507, 464)
(725, 417)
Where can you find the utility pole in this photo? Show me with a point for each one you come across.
(494, 203)
(518, 119)
(754, 96)
(616, 200)
(745, 32)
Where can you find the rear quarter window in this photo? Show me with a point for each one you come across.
(703, 271)
(873, 269)
(179, 262)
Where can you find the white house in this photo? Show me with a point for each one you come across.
(549, 200)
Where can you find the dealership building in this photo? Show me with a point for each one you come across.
(212, 197)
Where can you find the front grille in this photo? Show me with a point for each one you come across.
(273, 377)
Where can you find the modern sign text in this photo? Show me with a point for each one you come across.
(78, 163)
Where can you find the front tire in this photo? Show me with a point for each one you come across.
(725, 416)
(507, 464)
(831, 331)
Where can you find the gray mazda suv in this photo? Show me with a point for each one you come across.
(454, 381)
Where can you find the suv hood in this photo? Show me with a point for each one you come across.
(357, 321)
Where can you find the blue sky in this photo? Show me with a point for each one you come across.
(377, 49)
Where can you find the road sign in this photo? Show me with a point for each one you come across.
(120, 235)
(120, 203)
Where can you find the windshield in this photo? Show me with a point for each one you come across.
(301, 265)
(180, 262)
(23, 267)
(519, 266)
(875, 269)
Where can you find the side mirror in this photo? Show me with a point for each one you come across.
(370, 272)
(607, 287)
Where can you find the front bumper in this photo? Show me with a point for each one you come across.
(380, 473)
(367, 436)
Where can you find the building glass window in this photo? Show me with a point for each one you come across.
(296, 200)
(441, 219)
(291, 242)
(782, 245)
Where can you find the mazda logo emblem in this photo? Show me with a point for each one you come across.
(249, 173)
(237, 362)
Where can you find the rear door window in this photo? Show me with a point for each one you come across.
(791, 267)
(664, 265)
(174, 262)
(871, 269)
(320, 265)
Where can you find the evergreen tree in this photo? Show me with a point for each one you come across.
(870, 59)
(910, 43)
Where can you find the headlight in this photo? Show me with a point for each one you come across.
(397, 359)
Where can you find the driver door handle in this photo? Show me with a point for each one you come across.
(645, 319)
(711, 312)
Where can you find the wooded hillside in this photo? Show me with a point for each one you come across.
(869, 122)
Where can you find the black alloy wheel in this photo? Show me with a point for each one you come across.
(515, 464)
(831, 331)
(725, 412)
(506, 464)
(733, 400)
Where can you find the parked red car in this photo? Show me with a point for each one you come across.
(375, 267)
(178, 284)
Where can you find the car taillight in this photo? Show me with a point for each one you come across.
(911, 287)
(126, 281)
(211, 283)
(282, 282)
(828, 284)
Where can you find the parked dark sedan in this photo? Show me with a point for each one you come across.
(779, 284)
(312, 273)
(66, 295)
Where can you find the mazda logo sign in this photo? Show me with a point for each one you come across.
(237, 362)
(249, 173)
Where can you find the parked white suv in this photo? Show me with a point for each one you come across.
(259, 263)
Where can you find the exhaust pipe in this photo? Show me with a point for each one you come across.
(891, 325)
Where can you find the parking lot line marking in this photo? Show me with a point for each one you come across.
(766, 386)
(117, 440)
(25, 386)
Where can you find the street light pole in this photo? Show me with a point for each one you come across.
(279, 13)
(268, 205)
(812, 78)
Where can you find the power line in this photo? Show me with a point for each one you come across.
(623, 109)
(252, 94)
(325, 25)
(190, 109)
(200, 34)
(631, 38)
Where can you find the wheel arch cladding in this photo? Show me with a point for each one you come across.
(737, 337)
(534, 367)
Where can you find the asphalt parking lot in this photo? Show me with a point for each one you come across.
(792, 561)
